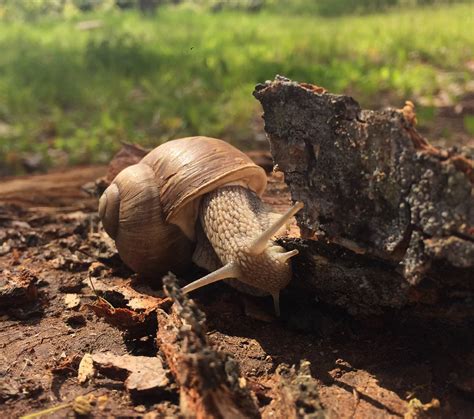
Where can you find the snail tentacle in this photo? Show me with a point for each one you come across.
(261, 243)
(230, 270)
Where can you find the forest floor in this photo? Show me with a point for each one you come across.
(53, 244)
(451, 119)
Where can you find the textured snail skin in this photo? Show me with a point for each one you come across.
(232, 218)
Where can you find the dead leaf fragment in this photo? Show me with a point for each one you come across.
(123, 318)
(139, 373)
(137, 296)
(141, 304)
(416, 409)
(72, 300)
(67, 366)
(86, 369)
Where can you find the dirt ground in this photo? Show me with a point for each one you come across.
(389, 366)
(448, 124)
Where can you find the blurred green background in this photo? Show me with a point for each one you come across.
(77, 77)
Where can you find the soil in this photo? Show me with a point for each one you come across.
(387, 366)
(448, 124)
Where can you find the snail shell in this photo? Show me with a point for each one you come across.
(151, 208)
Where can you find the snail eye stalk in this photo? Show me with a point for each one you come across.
(260, 244)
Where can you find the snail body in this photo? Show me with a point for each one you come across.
(197, 198)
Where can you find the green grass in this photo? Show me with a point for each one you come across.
(65, 92)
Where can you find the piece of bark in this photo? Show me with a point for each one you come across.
(210, 382)
(56, 189)
(17, 288)
(296, 394)
(372, 185)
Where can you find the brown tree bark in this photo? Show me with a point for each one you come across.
(394, 215)
(210, 383)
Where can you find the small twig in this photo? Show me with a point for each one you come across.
(99, 298)
(91, 225)
(92, 286)
(54, 408)
(46, 411)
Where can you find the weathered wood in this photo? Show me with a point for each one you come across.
(296, 394)
(372, 185)
(17, 288)
(210, 382)
(56, 189)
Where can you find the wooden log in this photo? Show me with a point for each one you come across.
(61, 188)
(393, 212)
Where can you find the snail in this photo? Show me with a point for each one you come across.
(198, 199)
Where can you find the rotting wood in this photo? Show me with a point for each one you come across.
(17, 287)
(296, 394)
(210, 382)
(60, 188)
(377, 195)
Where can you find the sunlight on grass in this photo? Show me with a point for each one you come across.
(184, 73)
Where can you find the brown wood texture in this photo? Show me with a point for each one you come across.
(210, 382)
(393, 214)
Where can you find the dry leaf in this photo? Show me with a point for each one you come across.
(86, 369)
(123, 318)
(72, 300)
(137, 296)
(140, 373)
